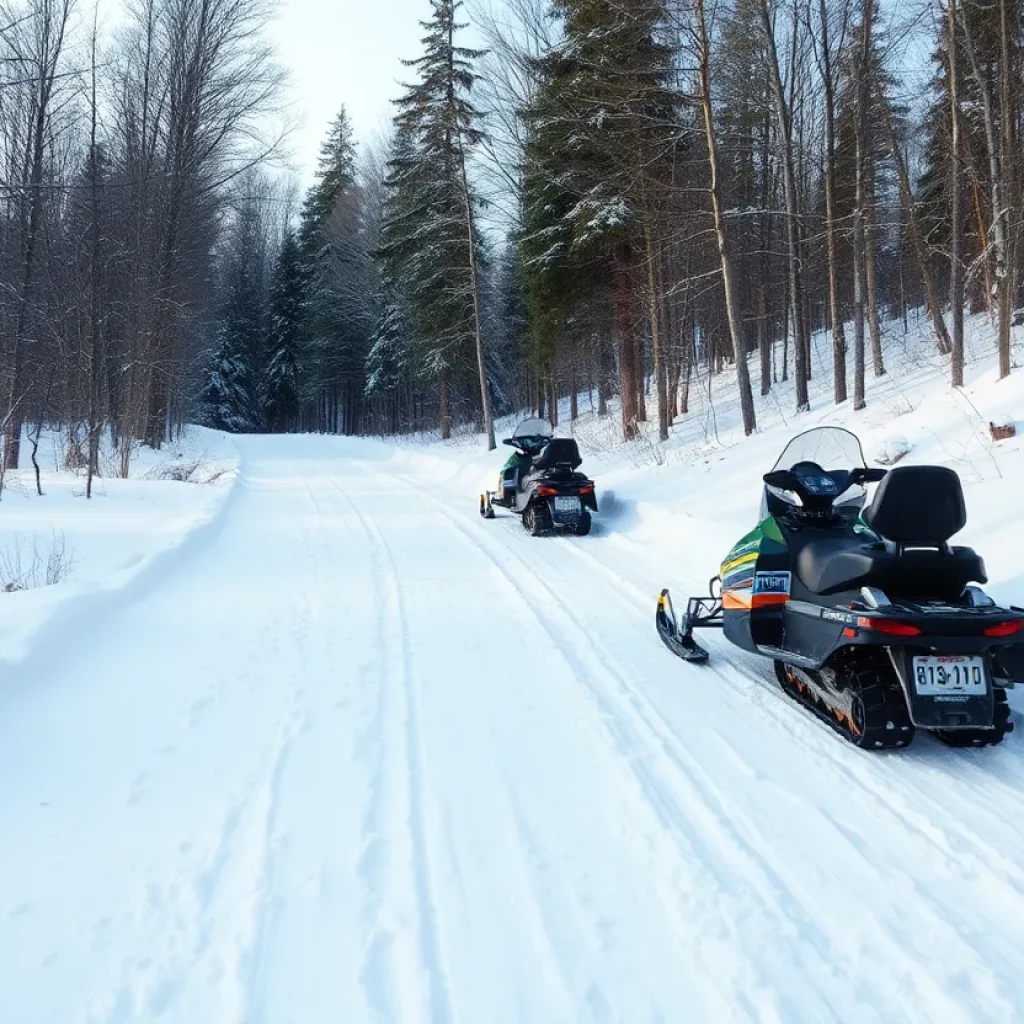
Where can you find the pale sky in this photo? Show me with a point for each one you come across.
(344, 52)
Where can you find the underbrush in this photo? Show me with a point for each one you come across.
(27, 565)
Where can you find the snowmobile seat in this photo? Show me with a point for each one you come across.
(915, 511)
(843, 564)
(560, 453)
(834, 564)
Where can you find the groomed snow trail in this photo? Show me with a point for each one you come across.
(363, 757)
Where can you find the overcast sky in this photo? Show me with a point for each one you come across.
(345, 52)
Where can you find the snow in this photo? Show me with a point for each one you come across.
(125, 533)
(891, 450)
(348, 752)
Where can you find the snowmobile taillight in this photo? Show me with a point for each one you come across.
(889, 626)
(1009, 628)
(589, 489)
(547, 492)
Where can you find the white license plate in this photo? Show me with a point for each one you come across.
(567, 504)
(936, 676)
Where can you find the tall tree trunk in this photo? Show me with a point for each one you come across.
(660, 376)
(831, 228)
(956, 266)
(912, 221)
(764, 326)
(628, 385)
(721, 230)
(640, 377)
(996, 143)
(1009, 175)
(979, 219)
(96, 353)
(446, 408)
(871, 262)
(796, 299)
(861, 65)
(764, 338)
(474, 284)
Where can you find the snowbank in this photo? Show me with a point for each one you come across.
(107, 549)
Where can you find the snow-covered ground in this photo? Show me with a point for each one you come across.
(353, 753)
(99, 549)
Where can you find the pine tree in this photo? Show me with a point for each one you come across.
(434, 235)
(387, 365)
(233, 395)
(336, 283)
(602, 128)
(230, 396)
(281, 384)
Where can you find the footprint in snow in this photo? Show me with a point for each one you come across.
(140, 788)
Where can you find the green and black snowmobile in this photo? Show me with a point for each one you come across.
(874, 622)
(541, 483)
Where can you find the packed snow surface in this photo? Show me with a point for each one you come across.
(349, 753)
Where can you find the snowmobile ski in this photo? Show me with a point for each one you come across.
(679, 642)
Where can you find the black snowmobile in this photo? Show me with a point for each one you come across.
(541, 483)
(874, 622)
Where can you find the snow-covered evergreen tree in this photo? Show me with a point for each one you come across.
(233, 394)
(338, 295)
(281, 385)
(430, 237)
(601, 127)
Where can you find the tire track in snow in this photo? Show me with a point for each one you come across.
(953, 839)
(776, 890)
(438, 996)
(937, 916)
(256, 964)
(633, 734)
(222, 910)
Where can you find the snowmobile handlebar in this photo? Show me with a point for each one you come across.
(787, 480)
(819, 489)
(527, 445)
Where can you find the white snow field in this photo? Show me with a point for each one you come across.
(352, 754)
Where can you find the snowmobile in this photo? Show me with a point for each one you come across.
(541, 483)
(875, 624)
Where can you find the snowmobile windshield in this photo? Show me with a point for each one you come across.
(832, 449)
(828, 447)
(535, 427)
(531, 435)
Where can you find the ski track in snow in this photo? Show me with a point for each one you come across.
(364, 757)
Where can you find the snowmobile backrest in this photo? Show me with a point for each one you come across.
(918, 505)
(560, 452)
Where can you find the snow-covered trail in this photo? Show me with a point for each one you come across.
(364, 757)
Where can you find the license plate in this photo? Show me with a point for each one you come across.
(567, 504)
(936, 676)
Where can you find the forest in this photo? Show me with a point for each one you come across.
(596, 201)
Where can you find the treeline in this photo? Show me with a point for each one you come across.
(607, 197)
(669, 185)
(119, 152)
(372, 317)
